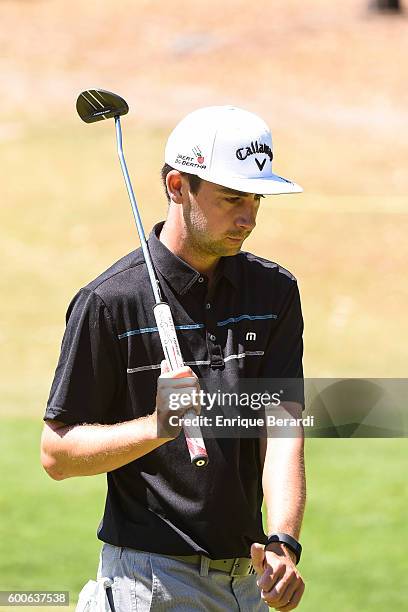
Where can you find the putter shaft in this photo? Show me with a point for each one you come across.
(139, 225)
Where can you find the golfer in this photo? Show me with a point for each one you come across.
(178, 537)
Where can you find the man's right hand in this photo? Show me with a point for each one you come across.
(177, 393)
(88, 449)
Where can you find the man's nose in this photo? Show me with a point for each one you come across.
(246, 217)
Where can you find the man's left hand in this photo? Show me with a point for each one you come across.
(280, 583)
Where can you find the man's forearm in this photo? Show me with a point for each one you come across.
(284, 483)
(86, 450)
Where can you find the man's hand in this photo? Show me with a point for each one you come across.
(177, 393)
(280, 583)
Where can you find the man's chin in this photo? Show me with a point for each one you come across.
(234, 243)
(226, 248)
(232, 249)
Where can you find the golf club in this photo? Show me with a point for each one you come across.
(96, 105)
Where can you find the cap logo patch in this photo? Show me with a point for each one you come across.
(255, 148)
(193, 162)
(198, 154)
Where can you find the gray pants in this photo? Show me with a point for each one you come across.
(145, 582)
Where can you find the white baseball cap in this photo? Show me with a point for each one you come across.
(227, 146)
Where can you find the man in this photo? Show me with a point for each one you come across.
(176, 536)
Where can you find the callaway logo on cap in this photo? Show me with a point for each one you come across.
(227, 146)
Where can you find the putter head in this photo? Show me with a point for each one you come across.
(97, 104)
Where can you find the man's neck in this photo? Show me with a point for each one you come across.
(176, 240)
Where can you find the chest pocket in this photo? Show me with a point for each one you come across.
(247, 338)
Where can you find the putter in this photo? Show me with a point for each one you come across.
(96, 105)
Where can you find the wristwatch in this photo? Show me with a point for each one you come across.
(290, 542)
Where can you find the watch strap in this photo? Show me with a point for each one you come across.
(289, 541)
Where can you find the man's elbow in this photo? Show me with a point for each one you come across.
(52, 466)
(52, 450)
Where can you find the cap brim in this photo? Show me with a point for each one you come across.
(270, 185)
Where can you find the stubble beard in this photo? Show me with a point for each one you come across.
(200, 242)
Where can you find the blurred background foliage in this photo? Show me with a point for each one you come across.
(330, 80)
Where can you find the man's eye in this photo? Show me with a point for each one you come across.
(233, 199)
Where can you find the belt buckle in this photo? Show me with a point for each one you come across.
(237, 565)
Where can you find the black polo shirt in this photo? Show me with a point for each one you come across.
(249, 327)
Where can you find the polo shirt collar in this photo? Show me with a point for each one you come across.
(179, 274)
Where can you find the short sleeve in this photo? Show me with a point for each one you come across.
(89, 371)
(283, 357)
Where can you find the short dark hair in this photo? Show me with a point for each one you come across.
(193, 180)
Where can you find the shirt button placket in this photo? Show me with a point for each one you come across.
(208, 321)
(214, 350)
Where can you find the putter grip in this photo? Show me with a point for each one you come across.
(172, 353)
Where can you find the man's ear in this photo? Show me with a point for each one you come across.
(174, 186)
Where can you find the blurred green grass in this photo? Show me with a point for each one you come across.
(354, 525)
(355, 522)
(48, 537)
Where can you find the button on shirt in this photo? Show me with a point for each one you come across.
(250, 326)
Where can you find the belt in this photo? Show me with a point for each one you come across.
(240, 566)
